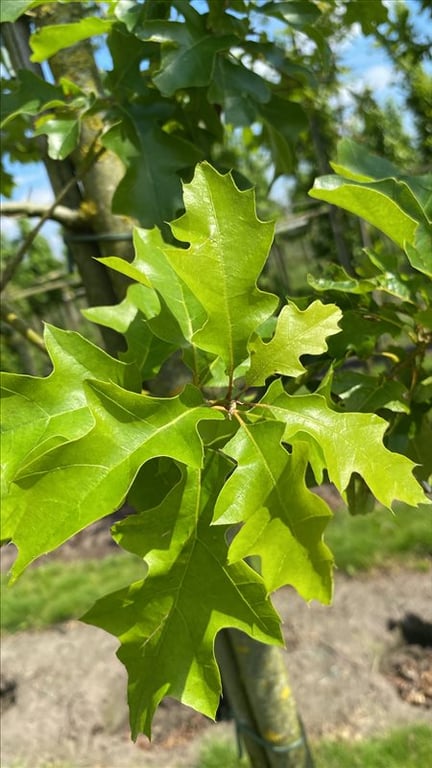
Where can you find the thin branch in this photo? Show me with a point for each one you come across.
(14, 263)
(68, 217)
(11, 318)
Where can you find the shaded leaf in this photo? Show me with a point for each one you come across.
(167, 623)
(360, 392)
(283, 121)
(131, 318)
(28, 97)
(150, 190)
(188, 51)
(180, 314)
(368, 15)
(356, 163)
(298, 13)
(237, 90)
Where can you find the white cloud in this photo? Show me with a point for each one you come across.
(377, 78)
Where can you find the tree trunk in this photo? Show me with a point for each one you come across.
(256, 681)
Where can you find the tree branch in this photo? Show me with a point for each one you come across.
(12, 319)
(68, 217)
(14, 262)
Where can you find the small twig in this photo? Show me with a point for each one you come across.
(11, 318)
(14, 263)
(68, 217)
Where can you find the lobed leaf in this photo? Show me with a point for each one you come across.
(188, 51)
(344, 443)
(29, 97)
(167, 623)
(40, 413)
(229, 253)
(298, 332)
(283, 520)
(153, 268)
(131, 317)
(150, 190)
(75, 484)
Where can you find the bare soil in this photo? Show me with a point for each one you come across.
(350, 675)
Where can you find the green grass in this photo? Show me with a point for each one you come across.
(65, 590)
(59, 591)
(409, 747)
(379, 538)
(215, 754)
(403, 748)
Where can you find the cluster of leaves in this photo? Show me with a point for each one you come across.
(179, 75)
(383, 361)
(216, 473)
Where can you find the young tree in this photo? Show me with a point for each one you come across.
(211, 458)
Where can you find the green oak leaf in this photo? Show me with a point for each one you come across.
(420, 252)
(47, 41)
(356, 163)
(344, 443)
(369, 394)
(378, 202)
(29, 97)
(223, 261)
(62, 134)
(298, 13)
(75, 484)
(168, 622)
(151, 189)
(283, 121)
(40, 413)
(153, 268)
(188, 51)
(284, 521)
(238, 90)
(298, 332)
(368, 15)
(13, 9)
(131, 318)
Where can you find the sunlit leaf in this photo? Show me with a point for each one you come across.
(230, 253)
(375, 201)
(99, 468)
(296, 332)
(47, 41)
(344, 443)
(284, 521)
(40, 413)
